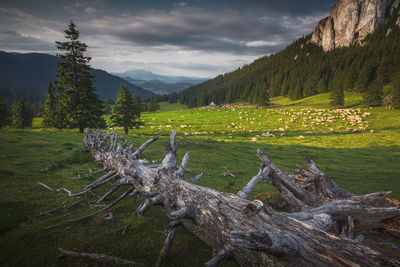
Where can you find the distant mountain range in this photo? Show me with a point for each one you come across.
(145, 75)
(159, 84)
(27, 76)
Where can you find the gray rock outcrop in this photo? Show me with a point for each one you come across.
(351, 21)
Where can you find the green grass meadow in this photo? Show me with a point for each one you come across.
(358, 147)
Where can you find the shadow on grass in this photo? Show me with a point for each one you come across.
(359, 170)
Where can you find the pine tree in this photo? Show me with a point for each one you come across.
(78, 104)
(137, 100)
(337, 96)
(395, 94)
(50, 107)
(153, 106)
(263, 98)
(21, 115)
(364, 78)
(373, 95)
(5, 114)
(125, 111)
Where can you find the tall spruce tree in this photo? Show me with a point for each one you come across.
(21, 115)
(5, 114)
(337, 95)
(78, 105)
(395, 94)
(50, 107)
(125, 112)
(373, 95)
(153, 106)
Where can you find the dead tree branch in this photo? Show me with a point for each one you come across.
(98, 257)
(249, 232)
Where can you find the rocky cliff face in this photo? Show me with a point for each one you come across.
(351, 21)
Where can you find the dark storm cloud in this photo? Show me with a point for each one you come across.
(22, 42)
(199, 29)
(219, 26)
(229, 31)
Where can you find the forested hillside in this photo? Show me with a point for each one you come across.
(303, 69)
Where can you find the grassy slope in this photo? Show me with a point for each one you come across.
(361, 162)
(165, 106)
(351, 99)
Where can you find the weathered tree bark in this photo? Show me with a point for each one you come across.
(248, 232)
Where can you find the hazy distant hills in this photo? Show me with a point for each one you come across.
(27, 76)
(145, 75)
(159, 84)
(159, 87)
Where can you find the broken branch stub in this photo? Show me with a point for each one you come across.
(246, 231)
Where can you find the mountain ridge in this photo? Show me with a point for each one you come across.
(26, 75)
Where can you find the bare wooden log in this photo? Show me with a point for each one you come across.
(125, 229)
(167, 245)
(45, 186)
(196, 179)
(140, 150)
(98, 257)
(272, 242)
(223, 254)
(297, 197)
(103, 209)
(169, 157)
(49, 212)
(319, 183)
(262, 175)
(181, 170)
(351, 227)
(70, 194)
(247, 231)
(103, 182)
(76, 177)
(183, 213)
(93, 173)
(84, 218)
(172, 225)
(148, 202)
(109, 193)
(110, 173)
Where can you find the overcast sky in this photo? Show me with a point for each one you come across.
(200, 38)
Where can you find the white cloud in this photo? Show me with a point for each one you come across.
(259, 43)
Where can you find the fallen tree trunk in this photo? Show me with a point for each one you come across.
(318, 233)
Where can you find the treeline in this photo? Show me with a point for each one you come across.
(303, 69)
(144, 105)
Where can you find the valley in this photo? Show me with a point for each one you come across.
(361, 161)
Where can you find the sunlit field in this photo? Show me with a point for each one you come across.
(357, 147)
